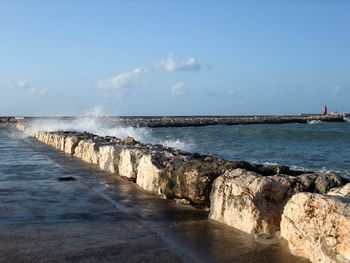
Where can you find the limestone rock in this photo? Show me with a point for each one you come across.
(254, 203)
(148, 174)
(71, 142)
(108, 157)
(129, 159)
(249, 201)
(88, 151)
(343, 191)
(175, 175)
(318, 227)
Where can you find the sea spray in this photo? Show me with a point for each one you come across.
(103, 126)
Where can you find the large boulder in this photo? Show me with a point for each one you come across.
(88, 151)
(249, 201)
(58, 141)
(129, 159)
(108, 157)
(175, 174)
(149, 173)
(71, 142)
(318, 227)
(253, 202)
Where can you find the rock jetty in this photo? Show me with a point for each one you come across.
(198, 121)
(255, 198)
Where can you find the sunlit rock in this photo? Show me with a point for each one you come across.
(149, 173)
(254, 203)
(343, 191)
(88, 151)
(71, 142)
(108, 157)
(175, 175)
(249, 201)
(318, 227)
(129, 160)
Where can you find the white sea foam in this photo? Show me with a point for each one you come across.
(314, 121)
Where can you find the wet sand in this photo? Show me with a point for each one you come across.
(102, 218)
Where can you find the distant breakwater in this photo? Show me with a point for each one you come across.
(199, 121)
(310, 210)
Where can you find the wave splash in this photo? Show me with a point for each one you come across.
(95, 121)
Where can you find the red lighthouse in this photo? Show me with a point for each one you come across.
(325, 110)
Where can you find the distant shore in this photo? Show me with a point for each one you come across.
(198, 121)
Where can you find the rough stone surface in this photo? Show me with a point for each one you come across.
(128, 162)
(343, 191)
(325, 182)
(254, 203)
(318, 227)
(108, 157)
(175, 175)
(88, 151)
(71, 142)
(129, 141)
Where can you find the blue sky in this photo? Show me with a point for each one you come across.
(174, 57)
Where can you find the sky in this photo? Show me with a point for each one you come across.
(174, 57)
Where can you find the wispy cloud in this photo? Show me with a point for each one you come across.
(171, 64)
(24, 85)
(179, 89)
(335, 92)
(123, 82)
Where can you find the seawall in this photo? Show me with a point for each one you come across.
(198, 121)
(266, 200)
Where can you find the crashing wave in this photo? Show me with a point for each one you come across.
(314, 121)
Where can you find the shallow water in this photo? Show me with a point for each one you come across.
(323, 146)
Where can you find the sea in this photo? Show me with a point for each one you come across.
(319, 146)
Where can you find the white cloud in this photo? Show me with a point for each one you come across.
(122, 82)
(26, 87)
(23, 84)
(335, 92)
(170, 64)
(178, 89)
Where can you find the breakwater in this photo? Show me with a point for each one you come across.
(258, 199)
(199, 121)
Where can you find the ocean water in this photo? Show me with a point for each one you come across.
(320, 146)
